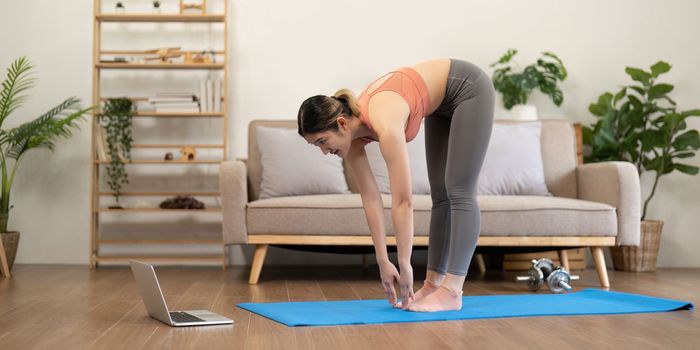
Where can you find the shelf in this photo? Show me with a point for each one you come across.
(155, 258)
(145, 194)
(157, 210)
(159, 146)
(124, 17)
(178, 115)
(142, 62)
(160, 241)
(159, 65)
(157, 161)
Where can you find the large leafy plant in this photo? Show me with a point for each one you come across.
(516, 85)
(641, 124)
(42, 132)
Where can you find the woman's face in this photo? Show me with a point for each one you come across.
(334, 142)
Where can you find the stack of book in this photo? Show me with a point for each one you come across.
(172, 102)
(210, 94)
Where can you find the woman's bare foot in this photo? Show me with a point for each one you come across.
(427, 289)
(442, 299)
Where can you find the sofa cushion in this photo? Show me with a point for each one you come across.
(291, 166)
(512, 165)
(342, 214)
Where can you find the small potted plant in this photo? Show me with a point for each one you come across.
(42, 132)
(156, 6)
(119, 7)
(516, 85)
(642, 125)
(116, 119)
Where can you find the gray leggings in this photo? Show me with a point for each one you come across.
(456, 138)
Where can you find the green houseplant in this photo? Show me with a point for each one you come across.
(116, 119)
(641, 124)
(516, 84)
(42, 132)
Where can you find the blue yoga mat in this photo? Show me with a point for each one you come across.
(584, 302)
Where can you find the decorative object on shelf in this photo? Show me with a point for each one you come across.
(641, 124)
(192, 7)
(517, 85)
(156, 6)
(181, 202)
(168, 156)
(187, 153)
(209, 56)
(42, 132)
(164, 54)
(116, 119)
(119, 7)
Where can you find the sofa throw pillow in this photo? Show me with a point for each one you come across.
(293, 167)
(416, 159)
(513, 163)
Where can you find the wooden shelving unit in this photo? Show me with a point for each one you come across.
(98, 209)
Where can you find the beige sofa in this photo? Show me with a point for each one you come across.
(594, 205)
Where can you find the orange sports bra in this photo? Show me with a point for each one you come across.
(410, 85)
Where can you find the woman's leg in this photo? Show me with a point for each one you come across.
(437, 131)
(470, 132)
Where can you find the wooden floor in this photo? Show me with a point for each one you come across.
(69, 307)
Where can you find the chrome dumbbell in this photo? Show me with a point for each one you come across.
(543, 270)
(538, 273)
(560, 280)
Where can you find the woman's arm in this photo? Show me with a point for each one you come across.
(371, 197)
(393, 148)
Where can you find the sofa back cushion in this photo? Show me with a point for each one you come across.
(558, 147)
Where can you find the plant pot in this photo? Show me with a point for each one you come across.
(643, 257)
(10, 241)
(523, 112)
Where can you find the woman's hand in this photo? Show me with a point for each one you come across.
(388, 274)
(406, 285)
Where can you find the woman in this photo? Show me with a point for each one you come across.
(456, 98)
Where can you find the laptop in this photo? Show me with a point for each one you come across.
(155, 303)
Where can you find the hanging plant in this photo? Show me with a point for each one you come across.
(116, 119)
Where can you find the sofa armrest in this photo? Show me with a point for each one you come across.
(617, 184)
(233, 185)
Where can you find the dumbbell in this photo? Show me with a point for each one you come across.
(558, 279)
(538, 273)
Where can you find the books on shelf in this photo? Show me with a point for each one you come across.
(170, 102)
(208, 101)
(210, 93)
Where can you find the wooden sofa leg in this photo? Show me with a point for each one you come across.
(480, 263)
(258, 259)
(599, 260)
(564, 259)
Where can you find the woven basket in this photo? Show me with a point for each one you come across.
(642, 258)
(10, 241)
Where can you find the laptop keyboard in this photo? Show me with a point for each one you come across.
(184, 317)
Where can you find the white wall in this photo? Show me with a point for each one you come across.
(285, 51)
